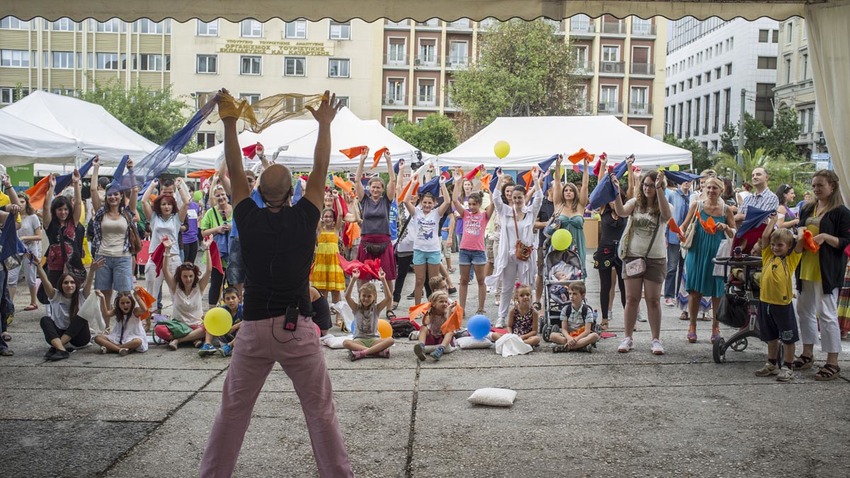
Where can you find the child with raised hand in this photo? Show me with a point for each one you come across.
(128, 333)
(233, 305)
(186, 285)
(427, 249)
(776, 319)
(431, 336)
(523, 318)
(577, 318)
(367, 342)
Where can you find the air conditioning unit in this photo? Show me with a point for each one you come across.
(390, 101)
(609, 67)
(417, 62)
(603, 106)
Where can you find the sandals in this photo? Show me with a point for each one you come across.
(704, 317)
(7, 337)
(803, 363)
(828, 372)
(684, 316)
(692, 335)
(31, 307)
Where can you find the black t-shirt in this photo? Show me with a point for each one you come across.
(546, 211)
(611, 230)
(277, 250)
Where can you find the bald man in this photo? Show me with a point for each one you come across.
(279, 240)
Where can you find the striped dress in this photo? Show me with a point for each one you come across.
(327, 273)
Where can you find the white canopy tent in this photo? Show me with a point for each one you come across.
(89, 126)
(21, 142)
(534, 139)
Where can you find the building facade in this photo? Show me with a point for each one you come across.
(795, 88)
(713, 67)
(65, 56)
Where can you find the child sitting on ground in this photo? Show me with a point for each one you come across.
(577, 319)
(776, 318)
(186, 285)
(128, 332)
(232, 304)
(431, 336)
(367, 341)
(523, 318)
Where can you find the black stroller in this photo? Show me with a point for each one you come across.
(739, 308)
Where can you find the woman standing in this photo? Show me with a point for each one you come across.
(217, 223)
(375, 241)
(111, 239)
(64, 231)
(165, 221)
(570, 203)
(427, 252)
(30, 235)
(700, 279)
(643, 243)
(785, 216)
(471, 252)
(514, 262)
(820, 274)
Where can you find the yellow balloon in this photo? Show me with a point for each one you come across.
(384, 328)
(502, 149)
(561, 240)
(218, 321)
(674, 167)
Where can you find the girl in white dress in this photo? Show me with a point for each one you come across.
(128, 333)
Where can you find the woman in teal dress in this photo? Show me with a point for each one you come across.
(700, 281)
(570, 203)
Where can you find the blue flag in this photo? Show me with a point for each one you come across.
(604, 191)
(546, 164)
(679, 177)
(9, 243)
(754, 218)
(432, 186)
(64, 180)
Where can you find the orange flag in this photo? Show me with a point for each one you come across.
(527, 177)
(485, 180)
(408, 189)
(454, 321)
(353, 153)
(346, 186)
(809, 242)
(578, 157)
(418, 310)
(708, 226)
(353, 232)
(202, 174)
(38, 192)
(147, 301)
(378, 155)
(674, 228)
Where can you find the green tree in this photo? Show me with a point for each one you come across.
(153, 113)
(436, 134)
(699, 154)
(776, 141)
(524, 70)
(779, 169)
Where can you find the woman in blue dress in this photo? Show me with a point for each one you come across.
(700, 281)
(570, 203)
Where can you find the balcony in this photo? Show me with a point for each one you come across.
(805, 138)
(612, 68)
(583, 68)
(394, 100)
(458, 62)
(432, 24)
(426, 100)
(427, 61)
(643, 30)
(395, 60)
(644, 69)
(640, 109)
(402, 25)
(614, 28)
(462, 24)
(612, 108)
(582, 28)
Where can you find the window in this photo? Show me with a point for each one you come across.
(111, 26)
(12, 23)
(206, 139)
(251, 29)
(789, 32)
(787, 69)
(688, 132)
(427, 51)
(150, 62)
(699, 80)
(674, 89)
(696, 115)
(7, 95)
(250, 65)
(338, 68)
(339, 31)
(427, 92)
(706, 116)
(107, 61)
(641, 27)
(63, 25)
(294, 66)
(146, 26)
(343, 100)
(804, 73)
(395, 91)
(766, 63)
(690, 83)
(717, 72)
(610, 53)
(63, 59)
(716, 126)
(708, 77)
(296, 29)
(458, 53)
(638, 100)
(640, 128)
(397, 51)
(207, 64)
(670, 121)
(581, 23)
(608, 96)
(775, 36)
(251, 98)
(208, 29)
(666, 91)
(728, 109)
(15, 58)
(728, 69)
(764, 36)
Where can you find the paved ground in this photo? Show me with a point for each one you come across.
(602, 414)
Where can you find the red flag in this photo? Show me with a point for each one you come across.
(474, 172)
(252, 150)
(215, 258)
(353, 153)
(158, 257)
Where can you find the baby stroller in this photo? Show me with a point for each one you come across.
(740, 306)
(560, 268)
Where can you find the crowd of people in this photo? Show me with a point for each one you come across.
(656, 245)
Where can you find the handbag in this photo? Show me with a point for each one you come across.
(523, 251)
(554, 223)
(691, 231)
(637, 266)
(178, 329)
(133, 235)
(222, 240)
(78, 272)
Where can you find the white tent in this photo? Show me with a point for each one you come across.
(92, 129)
(534, 139)
(347, 130)
(22, 142)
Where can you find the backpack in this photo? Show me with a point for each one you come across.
(402, 327)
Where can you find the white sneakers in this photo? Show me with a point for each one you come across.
(656, 347)
(628, 344)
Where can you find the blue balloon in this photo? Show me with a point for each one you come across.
(479, 326)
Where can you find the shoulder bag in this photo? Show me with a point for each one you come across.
(132, 234)
(689, 234)
(221, 240)
(523, 251)
(637, 266)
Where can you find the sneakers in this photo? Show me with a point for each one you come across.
(383, 353)
(123, 352)
(784, 374)
(656, 347)
(452, 290)
(173, 344)
(205, 350)
(669, 302)
(414, 335)
(558, 349)
(58, 355)
(437, 353)
(353, 355)
(640, 316)
(225, 350)
(102, 350)
(768, 370)
(419, 351)
(626, 345)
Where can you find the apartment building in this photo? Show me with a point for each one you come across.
(64, 56)
(795, 88)
(619, 60)
(713, 67)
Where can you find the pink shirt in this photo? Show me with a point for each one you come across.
(473, 230)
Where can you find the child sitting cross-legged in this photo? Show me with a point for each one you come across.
(128, 333)
(233, 305)
(367, 341)
(185, 285)
(577, 319)
(522, 319)
(432, 338)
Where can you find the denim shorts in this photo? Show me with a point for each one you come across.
(422, 257)
(235, 265)
(467, 257)
(116, 274)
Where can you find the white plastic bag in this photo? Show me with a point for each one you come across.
(512, 344)
(724, 250)
(90, 310)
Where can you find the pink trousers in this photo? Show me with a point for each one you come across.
(261, 344)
